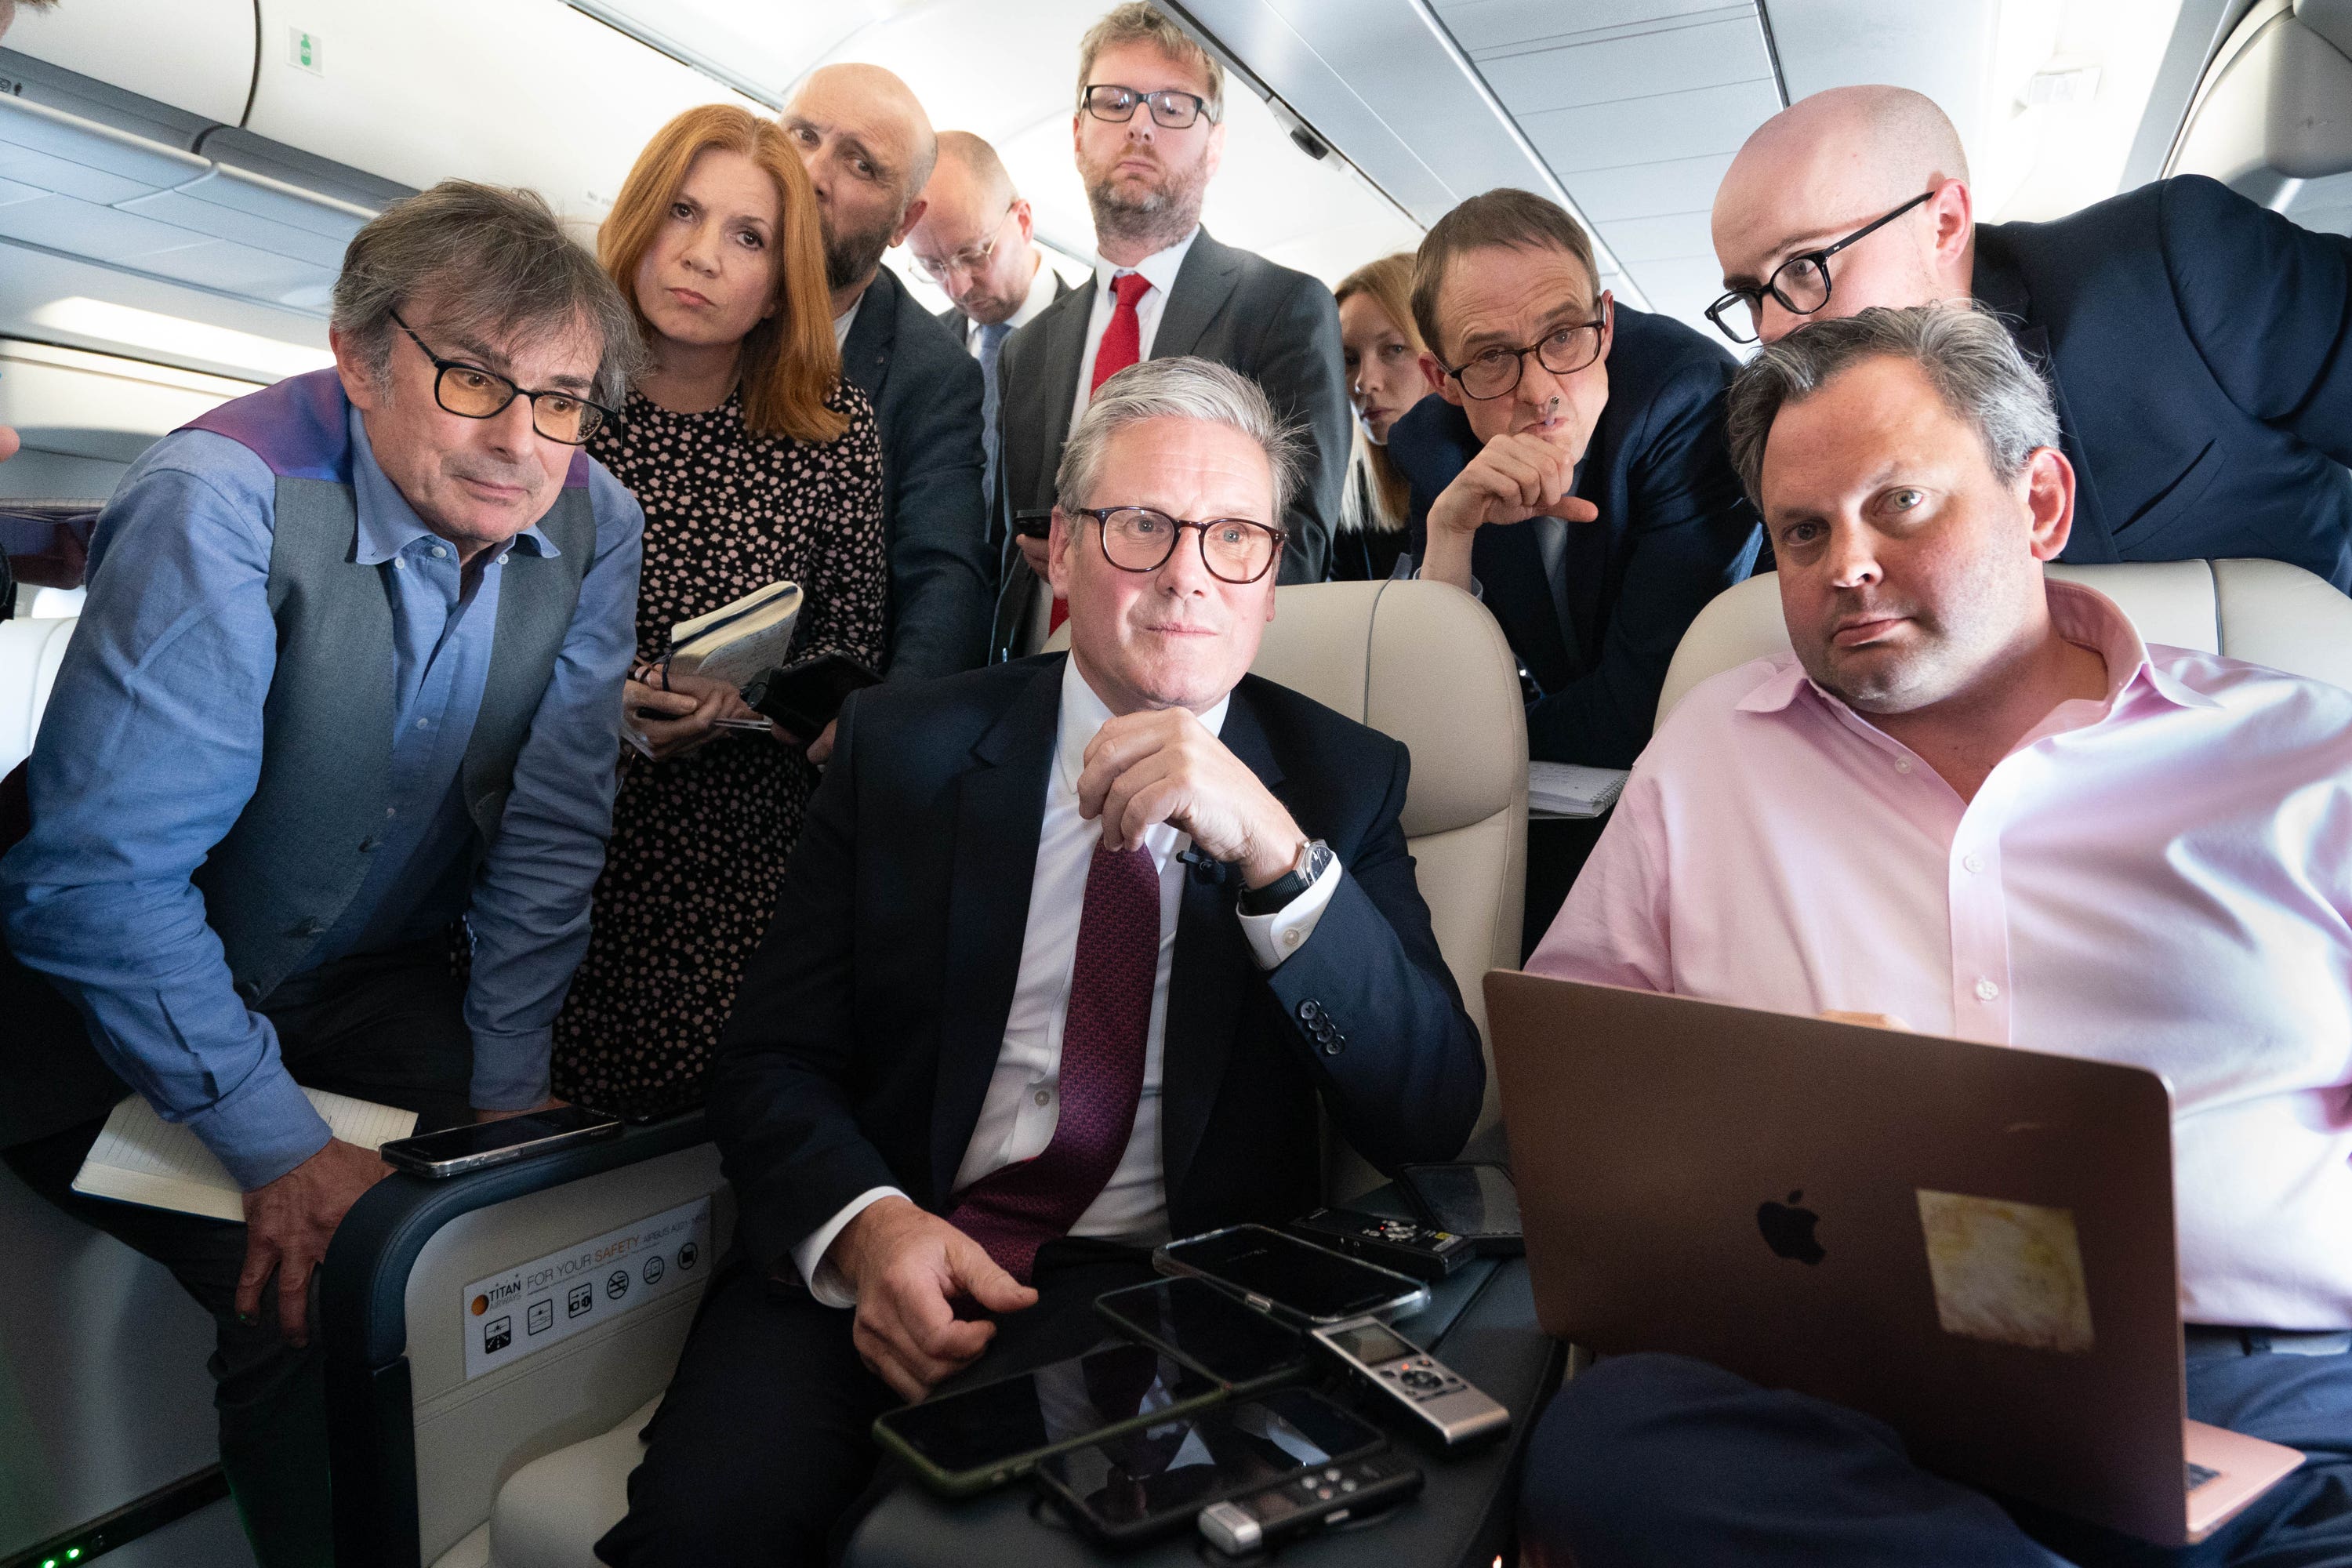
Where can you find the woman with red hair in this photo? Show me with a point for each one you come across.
(754, 462)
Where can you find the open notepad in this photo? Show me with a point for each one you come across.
(141, 1158)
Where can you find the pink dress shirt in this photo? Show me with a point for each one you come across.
(2162, 877)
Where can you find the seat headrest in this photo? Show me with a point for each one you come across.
(2265, 612)
(1421, 662)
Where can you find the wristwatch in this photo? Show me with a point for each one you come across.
(1275, 895)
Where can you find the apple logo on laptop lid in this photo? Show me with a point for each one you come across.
(1789, 1230)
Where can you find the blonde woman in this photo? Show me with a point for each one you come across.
(1383, 355)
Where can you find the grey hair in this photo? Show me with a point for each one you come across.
(496, 266)
(1183, 387)
(1964, 350)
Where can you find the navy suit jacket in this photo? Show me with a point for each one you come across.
(926, 392)
(2201, 350)
(1675, 531)
(870, 1018)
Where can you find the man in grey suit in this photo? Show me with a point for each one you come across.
(1148, 133)
(869, 148)
(974, 241)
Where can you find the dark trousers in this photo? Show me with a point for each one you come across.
(761, 1452)
(1661, 1459)
(386, 1027)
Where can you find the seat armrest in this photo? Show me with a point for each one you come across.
(363, 1325)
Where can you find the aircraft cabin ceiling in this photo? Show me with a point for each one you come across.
(177, 177)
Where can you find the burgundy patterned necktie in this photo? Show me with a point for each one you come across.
(1014, 1212)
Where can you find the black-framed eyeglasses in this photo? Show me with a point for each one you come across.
(970, 259)
(1802, 283)
(1170, 110)
(1138, 539)
(1496, 372)
(472, 392)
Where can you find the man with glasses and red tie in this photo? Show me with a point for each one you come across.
(1147, 132)
(1571, 471)
(350, 671)
(1071, 955)
(2200, 348)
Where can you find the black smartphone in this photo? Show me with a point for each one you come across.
(1155, 1480)
(808, 694)
(1470, 1198)
(482, 1144)
(966, 1442)
(1208, 1330)
(1295, 1280)
(1034, 524)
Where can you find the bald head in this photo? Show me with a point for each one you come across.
(869, 148)
(968, 172)
(974, 237)
(1832, 163)
(872, 101)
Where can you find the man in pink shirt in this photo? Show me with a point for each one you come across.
(1971, 802)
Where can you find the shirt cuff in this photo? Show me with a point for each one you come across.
(1478, 589)
(509, 1070)
(824, 1280)
(262, 1129)
(1274, 937)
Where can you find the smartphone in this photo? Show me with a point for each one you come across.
(1470, 1199)
(1295, 1280)
(1194, 1322)
(1155, 1480)
(962, 1443)
(481, 1144)
(1037, 524)
(806, 695)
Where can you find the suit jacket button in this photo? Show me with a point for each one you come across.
(1310, 1011)
(1331, 1045)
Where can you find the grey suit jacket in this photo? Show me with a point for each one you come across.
(1279, 327)
(926, 395)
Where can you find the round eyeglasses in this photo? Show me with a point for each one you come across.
(971, 260)
(1138, 539)
(1496, 372)
(1170, 110)
(472, 392)
(1801, 284)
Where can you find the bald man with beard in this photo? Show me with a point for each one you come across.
(869, 150)
(2195, 342)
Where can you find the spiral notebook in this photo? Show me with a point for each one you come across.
(139, 1158)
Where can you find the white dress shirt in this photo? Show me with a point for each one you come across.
(844, 321)
(1159, 269)
(1023, 1106)
(1040, 294)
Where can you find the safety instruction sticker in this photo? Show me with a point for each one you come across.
(547, 1301)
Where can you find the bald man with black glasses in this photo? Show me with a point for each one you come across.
(2196, 342)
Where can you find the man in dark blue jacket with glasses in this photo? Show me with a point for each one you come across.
(1572, 472)
(2196, 344)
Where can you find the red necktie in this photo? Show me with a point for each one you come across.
(1014, 1212)
(1122, 340)
(1121, 345)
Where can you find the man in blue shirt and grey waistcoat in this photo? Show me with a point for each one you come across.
(349, 670)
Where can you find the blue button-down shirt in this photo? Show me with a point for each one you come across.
(151, 746)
